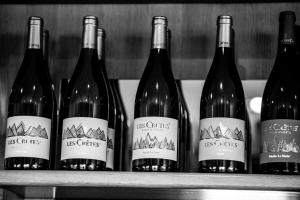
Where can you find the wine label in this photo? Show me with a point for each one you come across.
(84, 138)
(155, 137)
(110, 148)
(222, 139)
(28, 136)
(280, 141)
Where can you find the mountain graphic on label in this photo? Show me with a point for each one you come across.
(280, 146)
(150, 143)
(20, 130)
(110, 143)
(217, 133)
(78, 132)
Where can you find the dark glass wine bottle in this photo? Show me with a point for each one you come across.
(111, 134)
(280, 112)
(84, 134)
(155, 144)
(121, 129)
(30, 109)
(222, 110)
(45, 47)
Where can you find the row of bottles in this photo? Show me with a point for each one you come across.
(92, 119)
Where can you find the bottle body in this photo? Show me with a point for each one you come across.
(30, 109)
(280, 117)
(222, 145)
(112, 149)
(85, 123)
(155, 145)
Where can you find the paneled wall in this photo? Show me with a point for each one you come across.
(128, 28)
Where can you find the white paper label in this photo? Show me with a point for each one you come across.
(155, 137)
(84, 138)
(28, 136)
(222, 139)
(110, 148)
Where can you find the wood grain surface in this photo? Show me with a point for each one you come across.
(128, 28)
(148, 180)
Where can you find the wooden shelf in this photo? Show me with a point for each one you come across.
(116, 185)
(139, 1)
(149, 180)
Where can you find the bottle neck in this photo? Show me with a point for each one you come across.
(89, 36)
(224, 43)
(159, 37)
(286, 39)
(45, 47)
(224, 36)
(100, 48)
(34, 37)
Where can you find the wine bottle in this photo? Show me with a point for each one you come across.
(112, 104)
(184, 129)
(155, 144)
(222, 110)
(85, 123)
(280, 112)
(121, 130)
(30, 108)
(45, 47)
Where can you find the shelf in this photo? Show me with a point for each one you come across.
(73, 184)
(139, 1)
(149, 180)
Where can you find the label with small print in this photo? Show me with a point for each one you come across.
(110, 148)
(84, 138)
(28, 136)
(155, 137)
(280, 141)
(222, 139)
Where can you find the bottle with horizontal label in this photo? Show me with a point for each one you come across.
(280, 112)
(30, 108)
(85, 123)
(155, 144)
(111, 131)
(222, 145)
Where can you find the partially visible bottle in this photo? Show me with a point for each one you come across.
(155, 132)
(280, 112)
(30, 108)
(184, 128)
(45, 47)
(222, 110)
(111, 132)
(84, 134)
(121, 153)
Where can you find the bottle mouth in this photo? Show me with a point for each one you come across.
(160, 20)
(224, 19)
(35, 20)
(90, 19)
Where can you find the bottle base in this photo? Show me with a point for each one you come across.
(26, 163)
(221, 166)
(280, 168)
(83, 164)
(154, 165)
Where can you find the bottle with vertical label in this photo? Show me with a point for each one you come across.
(222, 110)
(155, 144)
(84, 132)
(280, 112)
(112, 103)
(30, 108)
